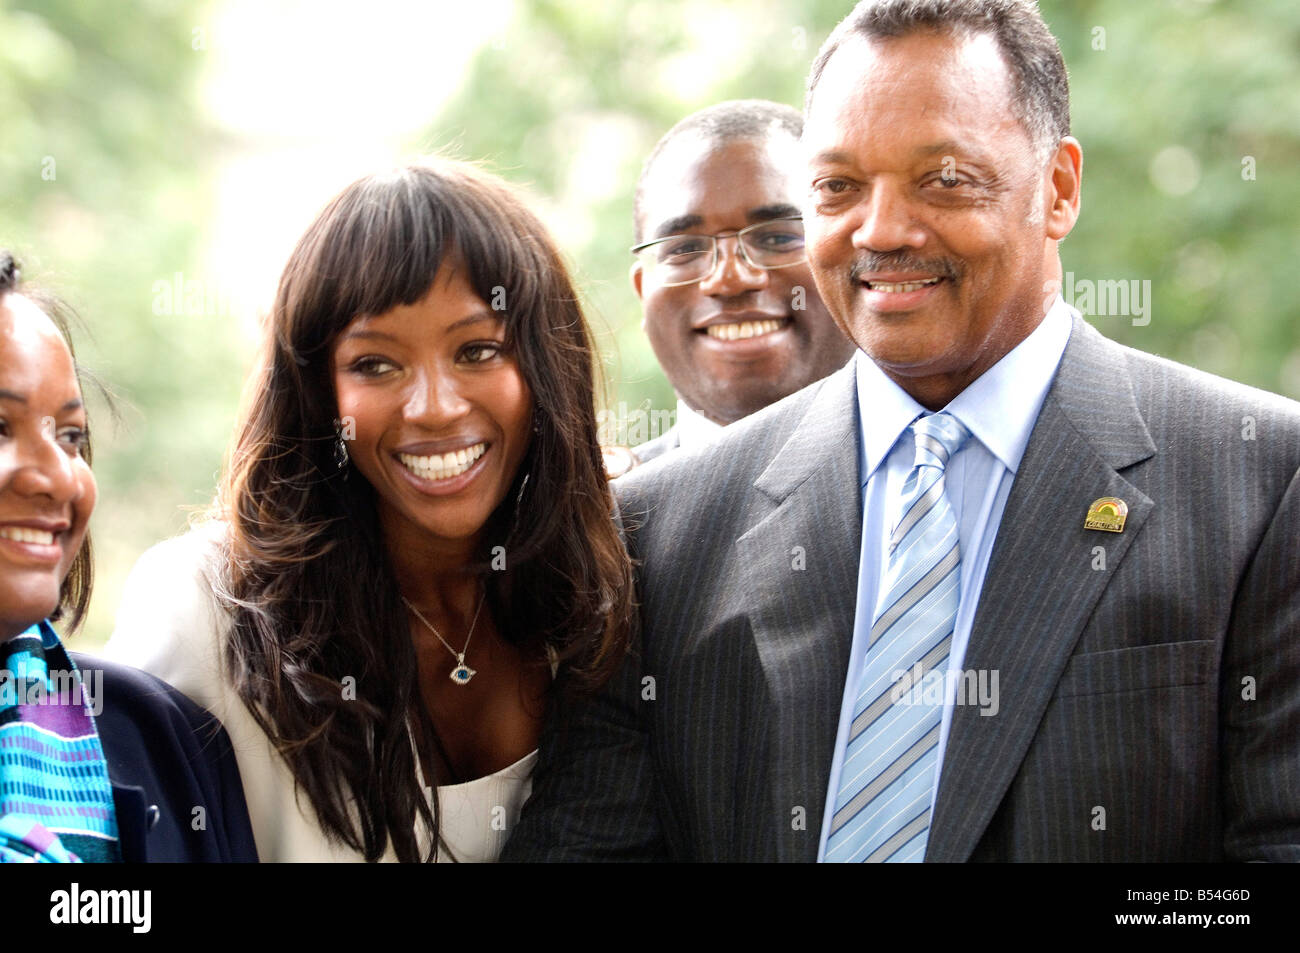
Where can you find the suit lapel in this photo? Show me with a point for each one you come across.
(803, 558)
(1043, 579)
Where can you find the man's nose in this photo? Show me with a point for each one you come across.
(732, 272)
(888, 222)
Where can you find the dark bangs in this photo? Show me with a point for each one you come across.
(381, 242)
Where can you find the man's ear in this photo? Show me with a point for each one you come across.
(1065, 188)
(636, 274)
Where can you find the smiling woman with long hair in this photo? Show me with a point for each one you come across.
(414, 531)
(98, 762)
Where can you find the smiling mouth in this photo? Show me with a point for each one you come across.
(740, 330)
(443, 466)
(899, 287)
(25, 534)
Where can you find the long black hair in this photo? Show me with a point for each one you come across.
(307, 578)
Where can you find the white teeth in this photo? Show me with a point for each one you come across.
(445, 466)
(894, 287)
(23, 534)
(744, 329)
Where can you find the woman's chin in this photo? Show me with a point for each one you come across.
(22, 606)
(449, 522)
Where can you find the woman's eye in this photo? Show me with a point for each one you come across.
(480, 351)
(75, 439)
(371, 366)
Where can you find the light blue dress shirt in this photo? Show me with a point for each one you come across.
(1000, 409)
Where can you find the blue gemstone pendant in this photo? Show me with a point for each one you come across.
(462, 673)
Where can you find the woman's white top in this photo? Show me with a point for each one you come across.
(171, 625)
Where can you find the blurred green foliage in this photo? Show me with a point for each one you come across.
(1187, 111)
(105, 163)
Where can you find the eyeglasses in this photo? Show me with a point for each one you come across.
(686, 259)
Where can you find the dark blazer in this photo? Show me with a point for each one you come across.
(166, 758)
(1149, 679)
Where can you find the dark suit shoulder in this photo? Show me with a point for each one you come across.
(135, 701)
(705, 497)
(653, 449)
(139, 692)
(1158, 379)
(1207, 422)
(1187, 430)
(751, 441)
(171, 759)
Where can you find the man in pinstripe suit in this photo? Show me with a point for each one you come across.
(1126, 572)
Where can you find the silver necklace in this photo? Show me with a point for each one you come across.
(462, 673)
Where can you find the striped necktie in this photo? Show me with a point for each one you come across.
(882, 808)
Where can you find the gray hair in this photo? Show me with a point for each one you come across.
(1042, 90)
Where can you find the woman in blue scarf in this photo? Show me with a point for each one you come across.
(98, 762)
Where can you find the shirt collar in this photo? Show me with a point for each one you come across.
(1000, 407)
(884, 412)
(693, 428)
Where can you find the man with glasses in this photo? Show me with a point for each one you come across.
(729, 304)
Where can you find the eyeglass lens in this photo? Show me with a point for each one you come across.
(685, 258)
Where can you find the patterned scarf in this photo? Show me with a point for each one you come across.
(56, 802)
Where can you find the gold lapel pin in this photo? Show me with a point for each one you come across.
(1107, 514)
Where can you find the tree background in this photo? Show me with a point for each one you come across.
(128, 176)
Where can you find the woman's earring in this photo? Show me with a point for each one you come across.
(519, 497)
(523, 485)
(340, 451)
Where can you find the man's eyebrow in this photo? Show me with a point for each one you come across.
(947, 147)
(679, 224)
(765, 213)
(833, 157)
(10, 395)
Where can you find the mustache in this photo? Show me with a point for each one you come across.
(902, 261)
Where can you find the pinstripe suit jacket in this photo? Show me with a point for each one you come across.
(1149, 680)
(656, 448)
